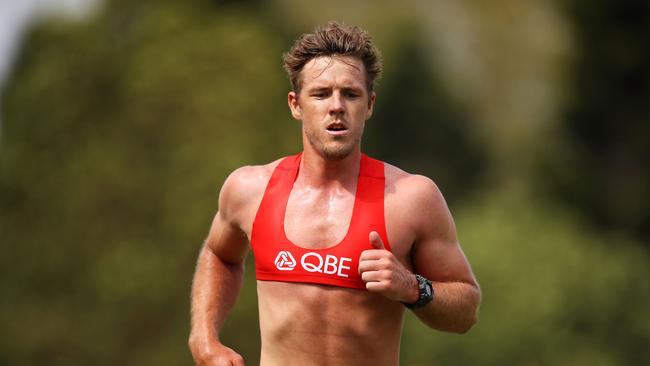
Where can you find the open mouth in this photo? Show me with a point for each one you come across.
(336, 127)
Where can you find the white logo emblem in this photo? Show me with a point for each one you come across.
(285, 261)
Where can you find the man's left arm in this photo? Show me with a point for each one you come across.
(436, 255)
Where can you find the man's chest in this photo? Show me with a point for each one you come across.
(316, 220)
(312, 222)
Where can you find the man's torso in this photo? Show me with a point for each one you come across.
(307, 324)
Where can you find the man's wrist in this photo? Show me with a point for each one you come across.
(414, 292)
(425, 293)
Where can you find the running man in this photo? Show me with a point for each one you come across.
(343, 243)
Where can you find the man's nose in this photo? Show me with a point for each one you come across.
(336, 104)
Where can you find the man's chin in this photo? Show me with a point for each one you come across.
(334, 150)
(336, 154)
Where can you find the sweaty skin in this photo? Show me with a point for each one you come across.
(308, 324)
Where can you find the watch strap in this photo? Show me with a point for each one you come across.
(426, 293)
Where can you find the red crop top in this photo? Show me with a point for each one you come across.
(278, 259)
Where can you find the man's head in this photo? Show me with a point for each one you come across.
(332, 72)
(333, 40)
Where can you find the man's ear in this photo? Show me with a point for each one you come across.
(371, 104)
(294, 106)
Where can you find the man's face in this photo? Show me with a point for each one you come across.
(333, 105)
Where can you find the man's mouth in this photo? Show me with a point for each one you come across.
(336, 127)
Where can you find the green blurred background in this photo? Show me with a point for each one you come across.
(532, 116)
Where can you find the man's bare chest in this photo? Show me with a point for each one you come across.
(318, 220)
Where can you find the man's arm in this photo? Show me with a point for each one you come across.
(436, 254)
(218, 278)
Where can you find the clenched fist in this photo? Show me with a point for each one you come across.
(214, 354)
(383, 273)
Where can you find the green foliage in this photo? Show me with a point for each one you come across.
(118, 133)
(600, 162)
(554, 292)
(417, 127)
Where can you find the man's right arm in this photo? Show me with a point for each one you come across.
(219, 274)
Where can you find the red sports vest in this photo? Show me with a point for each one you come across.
(278, 259)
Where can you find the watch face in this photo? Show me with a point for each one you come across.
(425, 287)
(427, 290)
(426, 293)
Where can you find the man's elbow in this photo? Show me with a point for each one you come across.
(472, 313)
(469, 323)
(461, 325)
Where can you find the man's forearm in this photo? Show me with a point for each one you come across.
(454, 307)
(215, 289)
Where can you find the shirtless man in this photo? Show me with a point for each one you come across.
(338, 237)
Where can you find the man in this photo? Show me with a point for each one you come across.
(343, 243)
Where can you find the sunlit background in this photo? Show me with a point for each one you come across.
(119, 121)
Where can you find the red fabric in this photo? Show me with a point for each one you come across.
(278, 259)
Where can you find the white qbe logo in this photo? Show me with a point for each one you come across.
(285, 261)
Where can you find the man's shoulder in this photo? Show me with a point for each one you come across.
(404, 183)
(249, 178)
(415, 201)
(246, 184)
(414, 191)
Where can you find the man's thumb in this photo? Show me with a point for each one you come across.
(375, 240)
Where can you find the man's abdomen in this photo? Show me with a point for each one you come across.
(306, 324)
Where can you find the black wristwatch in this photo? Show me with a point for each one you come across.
(426, 293)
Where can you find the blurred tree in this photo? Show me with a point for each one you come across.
(601, 161)
(119, 131)
(118, 134)
(504, 62)
(554, 291)
(417, 126)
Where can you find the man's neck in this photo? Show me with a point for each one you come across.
(319, 172)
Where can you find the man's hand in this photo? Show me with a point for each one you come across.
(384, 274)
(214, 354)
